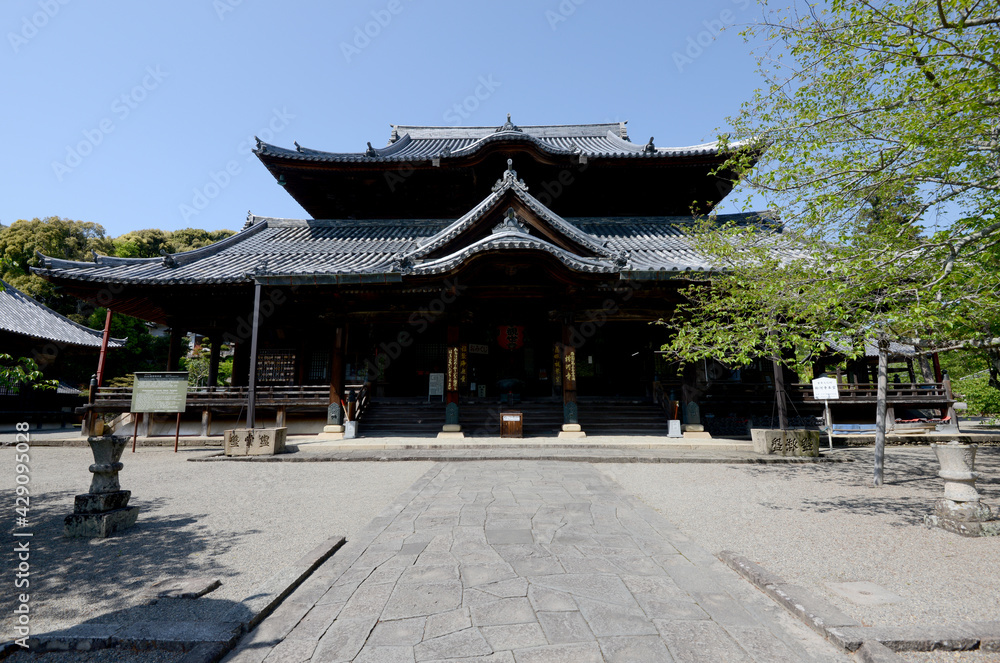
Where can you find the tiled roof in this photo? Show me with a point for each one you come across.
(380, 250)
(20, 314)
(355, 248)
(409, 143)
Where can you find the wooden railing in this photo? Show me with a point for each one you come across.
(111, 399)
(914, 393)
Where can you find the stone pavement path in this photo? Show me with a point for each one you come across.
(526, 561)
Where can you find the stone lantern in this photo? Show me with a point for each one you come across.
(104, 510)
(960, 510)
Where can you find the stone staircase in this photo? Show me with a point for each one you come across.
(481, 418)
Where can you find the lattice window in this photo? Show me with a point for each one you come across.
(318, 371)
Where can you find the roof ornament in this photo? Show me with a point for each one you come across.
(510, 223)
(260, 143)
(649, 147)
(510, 179)
(97, 258)
(508, 126)
(249, 221)
(371, 151)
(168, 260)
(298, 148)
(42, 262)
(261, 268)
(621, 260)
(403, 264)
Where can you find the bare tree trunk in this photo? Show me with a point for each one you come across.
(779, 395)
(880, 409)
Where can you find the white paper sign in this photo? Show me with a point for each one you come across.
(511, 417)
(674, 428)
(825, 389)
(436, 385)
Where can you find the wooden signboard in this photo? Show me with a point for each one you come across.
(511, 424)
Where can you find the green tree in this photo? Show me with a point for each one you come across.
(52, 236)
(141, 244)
(875, 119)
(188, 239)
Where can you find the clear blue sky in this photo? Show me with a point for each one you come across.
(118, 111)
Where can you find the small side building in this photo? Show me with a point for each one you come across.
(58, 345)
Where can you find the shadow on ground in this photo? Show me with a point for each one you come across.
(78, 580)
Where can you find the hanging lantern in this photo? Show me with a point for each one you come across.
(511, 337)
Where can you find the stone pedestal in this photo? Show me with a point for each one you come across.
(794, 442)
(451, 429)
(572, 431)
(960, 510)
(332, 432)
(104, 510)
(255, 441)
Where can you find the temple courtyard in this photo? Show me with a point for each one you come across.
(570, 555)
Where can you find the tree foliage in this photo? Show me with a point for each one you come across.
(875, 139)
(52, 236)
(149, 242)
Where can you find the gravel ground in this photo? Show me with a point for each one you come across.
(824, 523)
(238, 522)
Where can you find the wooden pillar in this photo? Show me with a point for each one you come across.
(255, 328)
(337, 366)
(206, 422)
(213, 360)
(909, 369)
(452, 428)
(241, 364)
(571, 420)
(938, 376)
(174, 349)
(279, 418)
(779, 394)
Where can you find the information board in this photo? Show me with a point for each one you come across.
(435, 386)
(825, 389)
(160, 392)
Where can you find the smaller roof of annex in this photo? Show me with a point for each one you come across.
(22, 315)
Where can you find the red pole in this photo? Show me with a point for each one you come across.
(104, 349)
(135, 429)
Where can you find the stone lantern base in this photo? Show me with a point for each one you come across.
(104, 510)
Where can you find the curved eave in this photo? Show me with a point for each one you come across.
(623, 150)
(512, 240)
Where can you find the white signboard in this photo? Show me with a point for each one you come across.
(511, 417)
(478, 349)
(674, 428)
(825, 389)
(436, 385)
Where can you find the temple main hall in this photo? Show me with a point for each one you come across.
(451, 273)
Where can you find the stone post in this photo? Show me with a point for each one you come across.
(104, 510)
